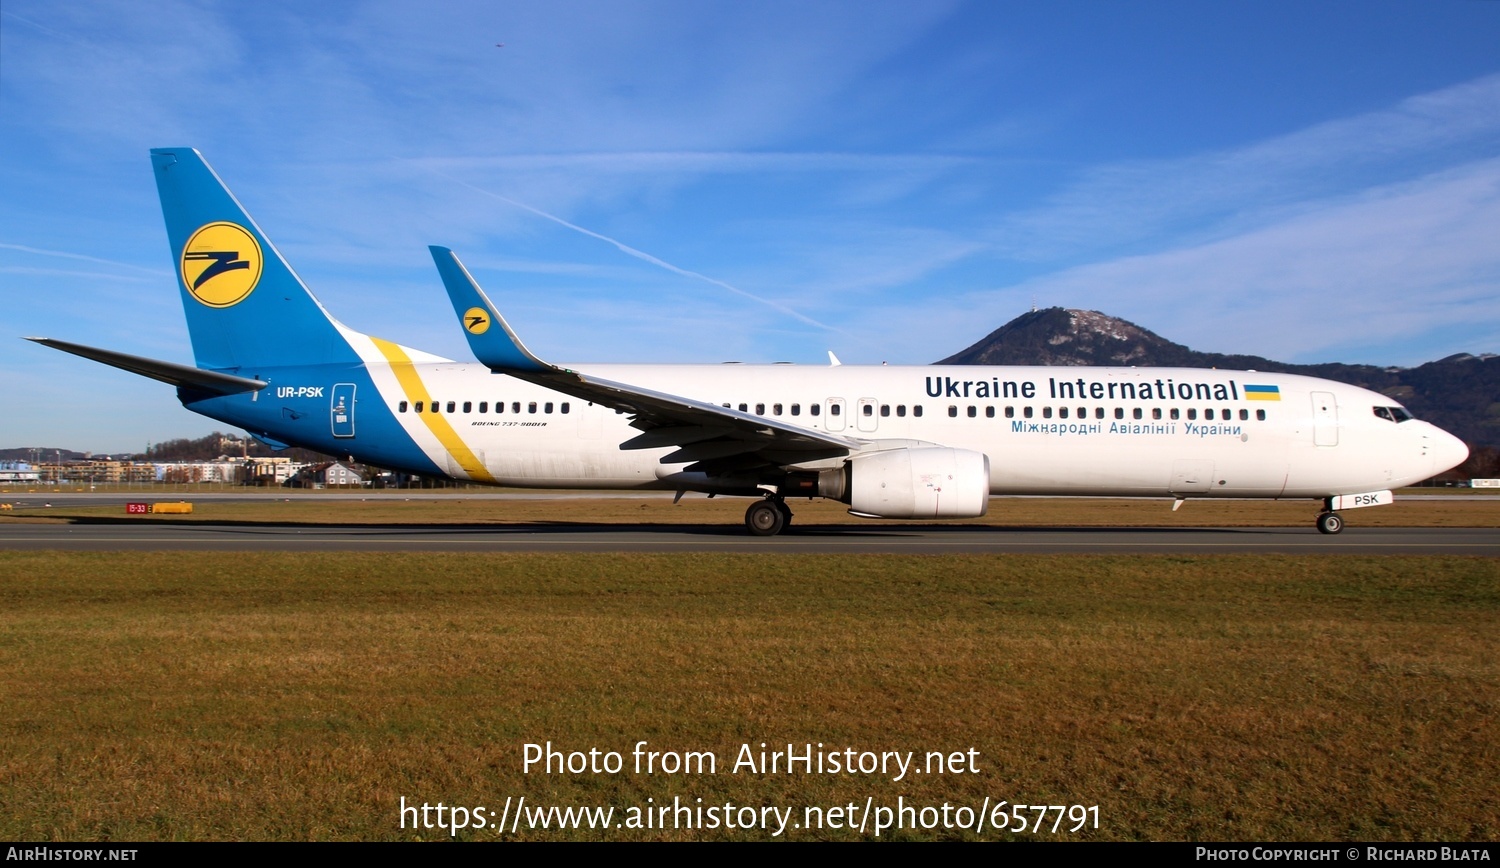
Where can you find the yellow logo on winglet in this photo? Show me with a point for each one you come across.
(476, 320)
(221, 264)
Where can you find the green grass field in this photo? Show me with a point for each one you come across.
(286, 696)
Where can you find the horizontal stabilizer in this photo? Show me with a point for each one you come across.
(166, 372)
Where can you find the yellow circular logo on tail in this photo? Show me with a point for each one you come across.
(221, 264)
(476, 320)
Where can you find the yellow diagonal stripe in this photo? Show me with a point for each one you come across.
(437, 423)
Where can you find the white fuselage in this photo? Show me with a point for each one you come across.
(1062, 431)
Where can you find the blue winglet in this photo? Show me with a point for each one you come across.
(494, 344)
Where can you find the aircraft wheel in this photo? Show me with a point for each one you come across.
(765, 518)
(1330, 522)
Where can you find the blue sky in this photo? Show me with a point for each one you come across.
(701, 181)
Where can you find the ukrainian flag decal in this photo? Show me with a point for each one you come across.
(1262, 393)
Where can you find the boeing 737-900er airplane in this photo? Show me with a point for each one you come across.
(891, 442)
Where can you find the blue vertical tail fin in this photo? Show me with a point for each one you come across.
(246, 309)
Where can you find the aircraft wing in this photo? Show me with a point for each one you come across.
(718, 439)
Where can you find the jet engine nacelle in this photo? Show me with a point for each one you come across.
(926, 482)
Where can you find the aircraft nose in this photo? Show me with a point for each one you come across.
(1446, 450)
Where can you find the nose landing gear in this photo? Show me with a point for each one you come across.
(1330, 522)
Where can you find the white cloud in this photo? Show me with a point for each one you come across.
(1226, 192)
(1395, 262)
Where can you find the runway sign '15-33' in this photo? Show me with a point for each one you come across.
(149, 508)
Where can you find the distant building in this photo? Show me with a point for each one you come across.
(110, 471)
(274, 470)
(198, 471)
(18, 471)
(329, 474)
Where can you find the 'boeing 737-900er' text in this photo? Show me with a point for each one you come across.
(891, 442)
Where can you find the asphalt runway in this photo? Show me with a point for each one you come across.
(886, 539)
(135, 534)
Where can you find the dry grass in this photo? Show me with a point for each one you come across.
(393, 509)
(281, 696)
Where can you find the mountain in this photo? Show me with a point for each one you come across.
(1460, 393)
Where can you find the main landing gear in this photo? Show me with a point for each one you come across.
(1330, 522)
(768, 517)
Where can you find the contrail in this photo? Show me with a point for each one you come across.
(646, 257)
(65, 255)
(48, 31)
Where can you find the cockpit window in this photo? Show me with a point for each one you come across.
(1393, 414)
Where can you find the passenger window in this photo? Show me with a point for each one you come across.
(484, 406)
(1098, 412)
(531, 407)
(1062, 412)
(401, 408)
(1136, 413)
(515, 407)
(1010, 412)
(547, 407)
(760, 409)
(1244, 415)
(1046, 412)
(973, 412)
(1260, 415)
(989, 412)
(468, 406)
(565, 407)
(1119, 412)
(834, 409)
(916, 410)
(776, 409)
(814, 409)
(885, 409)
(1209, 414)
(900, 409)
(1174, 414)
(796, 409)
(1155, 412)
(499, 406)
(1192, 413)
(744, 408)
(952, 410)
(867, 410)
(1026, 411)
